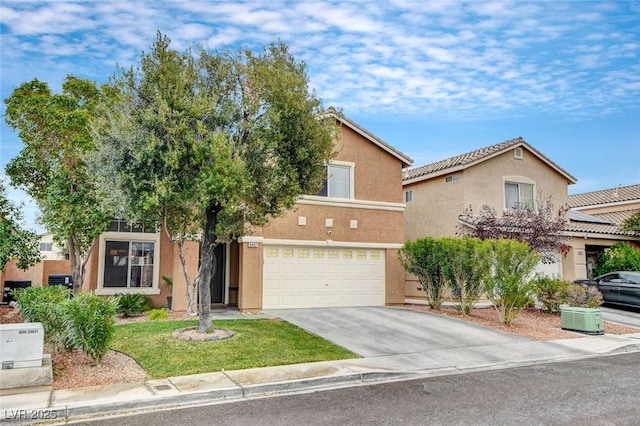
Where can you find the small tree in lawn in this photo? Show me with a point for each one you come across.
(540, 228)
(51, 167)
(15, 242)
(210, 143)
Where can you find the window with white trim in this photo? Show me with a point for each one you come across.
(128, 260)
(519, 195)
(338, 183)
(129, 264)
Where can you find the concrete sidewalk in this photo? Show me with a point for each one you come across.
(18, 406)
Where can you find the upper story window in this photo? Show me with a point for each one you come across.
(119, 225)
(46, 246)
(519, 195)
(339, 181)
(408, 196)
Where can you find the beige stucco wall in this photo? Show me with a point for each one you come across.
(380, 220)
(250, 274)
(437, 204)
(435, 208)
(378, 175)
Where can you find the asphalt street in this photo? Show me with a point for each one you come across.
(594, 391)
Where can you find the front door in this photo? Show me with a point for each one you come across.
(217, 280)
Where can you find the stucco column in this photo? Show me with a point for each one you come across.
(250, 277)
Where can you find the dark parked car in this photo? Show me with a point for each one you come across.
(620, 288)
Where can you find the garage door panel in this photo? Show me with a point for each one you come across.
(297, 277)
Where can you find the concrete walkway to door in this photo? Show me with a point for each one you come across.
(383, 331)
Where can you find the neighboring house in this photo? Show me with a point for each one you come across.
(501, 176)
(53, 263)
(49, 249)
(595, 219)
(337, 248)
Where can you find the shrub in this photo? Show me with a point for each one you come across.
(584, 296)
(90, 323)
(131, 304)
(158, 314)
(466, 264)
(424, 259)
(551, 292)
(620, 257)
(46, 304)
(508, 286)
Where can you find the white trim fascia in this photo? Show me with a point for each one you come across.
(316, 200)
(614, 204)
(433, 175)
(598, 236)
(330, 243)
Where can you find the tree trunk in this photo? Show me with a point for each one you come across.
(76, 265)
(207, 267)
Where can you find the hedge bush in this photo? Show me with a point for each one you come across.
(551, 292)
(46, 305)
(85, 322)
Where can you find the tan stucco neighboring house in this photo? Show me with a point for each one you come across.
(594, 225)
(338, 248)
(500, 176)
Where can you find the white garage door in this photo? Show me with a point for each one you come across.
(313, 277)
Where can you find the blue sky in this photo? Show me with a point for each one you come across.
(432, 78)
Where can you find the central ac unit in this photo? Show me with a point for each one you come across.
(585, 320)
(21, 345)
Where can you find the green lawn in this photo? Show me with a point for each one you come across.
(257, 343)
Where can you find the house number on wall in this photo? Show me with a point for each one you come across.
(252, 245)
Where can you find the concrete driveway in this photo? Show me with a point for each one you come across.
(382, 331)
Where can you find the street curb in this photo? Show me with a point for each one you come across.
(57, 415)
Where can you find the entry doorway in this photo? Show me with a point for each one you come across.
(217, 284)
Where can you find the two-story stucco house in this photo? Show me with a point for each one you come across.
(336, 248)
(501, 176)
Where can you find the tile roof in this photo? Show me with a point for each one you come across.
(464, 160)
(605, 196)
(601, 223)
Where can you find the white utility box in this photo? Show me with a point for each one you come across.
(21, 345)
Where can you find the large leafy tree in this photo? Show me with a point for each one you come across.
(51, 168)
(541, 228)
(209, 143)
(16, 243)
